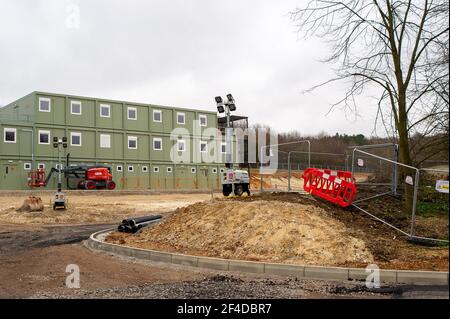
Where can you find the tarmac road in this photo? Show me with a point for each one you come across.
(33, 261)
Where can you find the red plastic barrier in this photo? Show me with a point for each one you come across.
(338, 187)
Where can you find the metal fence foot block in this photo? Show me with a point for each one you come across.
(284, 270)
(246, 266)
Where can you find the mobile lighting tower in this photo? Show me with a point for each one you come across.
(59, 201)
(234, 181)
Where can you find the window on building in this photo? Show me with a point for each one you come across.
(132, 113)
(203, 147)
(181, 145)
(44, 137)
(75, 107)
(9, 135)
(222, 170)
(57, 166)
(130, 168)
(27, 166)
(223, 148)
(44, 104)
(132, 142)
(41, 166)
(119, 168)
(193, 170)
(181, 118)
(169, 169)
(214, 170)
(105, 110)
(144, 169)
(157, 144)
(155, 169)
(157, 116)
(105, 141)
(203, 120)
(75, 139)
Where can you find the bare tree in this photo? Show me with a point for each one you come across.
(395, 48)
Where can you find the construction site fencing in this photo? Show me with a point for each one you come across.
(398, 195)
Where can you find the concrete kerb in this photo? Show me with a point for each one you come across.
(290, 270)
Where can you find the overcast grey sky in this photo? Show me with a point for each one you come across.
(176, 53)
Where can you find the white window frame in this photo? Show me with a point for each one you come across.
(155, 169)
(119, 168)
(214, 170)
(184, 145)
(75, 134)
(107, 106)
(206, 146)
(10, 130)
(44, 132)
(109, 140)
(130, 168)
(169, 169)
(27, 166)
(129, 108)
(157, 139)
(160, 116)
(222, 150)
(71, 107)
(132, 138)
(41, 166)
(222, 170)
(193, 170)
(184, 118)
(144, 169)
(45, 99)
(203, 116)
(57, 166)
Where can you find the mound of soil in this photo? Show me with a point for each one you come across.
(254, 230)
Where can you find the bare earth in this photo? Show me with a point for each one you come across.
(258, 230)
(92, 208)
(36, 248)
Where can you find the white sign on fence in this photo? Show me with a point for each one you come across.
(360, 162)
(409, 180)
(442, 186)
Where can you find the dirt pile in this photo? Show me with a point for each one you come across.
(31, 204)
(257, 230)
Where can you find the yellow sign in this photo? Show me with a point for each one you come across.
(442, 186)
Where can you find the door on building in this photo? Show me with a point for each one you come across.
(170, 176)
(202, 178)
(10, 177)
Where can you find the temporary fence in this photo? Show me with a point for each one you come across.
(395, 195)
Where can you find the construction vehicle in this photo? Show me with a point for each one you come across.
(237, 181)
(90, 177)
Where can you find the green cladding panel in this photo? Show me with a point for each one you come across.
(103, 140)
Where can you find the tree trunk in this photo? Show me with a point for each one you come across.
(404, 154)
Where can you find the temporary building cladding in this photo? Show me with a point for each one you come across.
(132, 138)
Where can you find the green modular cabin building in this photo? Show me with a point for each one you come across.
(134, 139)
